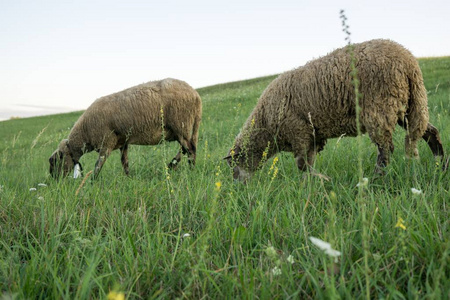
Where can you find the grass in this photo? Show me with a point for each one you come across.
(128, 234)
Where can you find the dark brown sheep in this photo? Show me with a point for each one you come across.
(142, 115)
(304, 107)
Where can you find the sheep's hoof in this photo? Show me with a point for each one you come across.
(173, 164)
(379, 172)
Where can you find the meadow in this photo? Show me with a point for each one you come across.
(196, 234)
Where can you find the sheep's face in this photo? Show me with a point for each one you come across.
(238, 160)
(61, 162)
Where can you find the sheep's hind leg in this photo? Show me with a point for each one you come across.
(124, 158)
(187, 148)
(174, 162)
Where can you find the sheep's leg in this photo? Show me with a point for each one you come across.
(306, 160)
(192, 153)
(382, 160)
(385, 148)
(124, 158)
(384, 154)
(187, 148)
(103, 155)
(380, 125)
(174, 162)
(411, 140)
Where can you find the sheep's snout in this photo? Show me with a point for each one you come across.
(60, 164)
(241, 174)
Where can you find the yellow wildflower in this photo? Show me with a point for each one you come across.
(115, 296)
(264, 155)
(400, 224)
(275, 160)
(275, 172)
(218, 186)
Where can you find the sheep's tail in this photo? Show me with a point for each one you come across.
(416, 118)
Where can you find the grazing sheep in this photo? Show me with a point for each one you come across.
(142, 115)
(304, 107)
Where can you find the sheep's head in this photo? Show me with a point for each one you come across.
(239, 161)
(61, 161)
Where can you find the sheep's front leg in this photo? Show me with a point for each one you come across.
(306, 162)
(124, 158)
(103, 155)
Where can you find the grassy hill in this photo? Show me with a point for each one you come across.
(69, 239)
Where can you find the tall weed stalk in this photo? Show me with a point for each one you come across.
(362, 184)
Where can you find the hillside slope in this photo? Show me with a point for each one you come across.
(194, 233)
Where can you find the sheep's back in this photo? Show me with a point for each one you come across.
(321, 92)
(134, 115)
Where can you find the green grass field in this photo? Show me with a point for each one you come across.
(194, 233)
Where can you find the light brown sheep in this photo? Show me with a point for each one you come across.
(304, 107)
(142, 115)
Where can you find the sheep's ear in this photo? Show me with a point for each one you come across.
(55, 162)
(55, 156)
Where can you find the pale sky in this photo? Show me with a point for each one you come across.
(62, 55)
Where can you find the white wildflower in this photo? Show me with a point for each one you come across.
(186, 235)
(276, 271)
(42, 184)
(32, 189)
(326, 247)
(416, 191)
(364, 182)
(41, 198)
(290, 259)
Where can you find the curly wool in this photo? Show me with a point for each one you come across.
(304, 107)
(143, 115)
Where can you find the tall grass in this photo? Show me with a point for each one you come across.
(194, 233)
